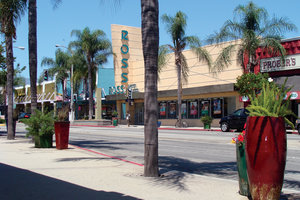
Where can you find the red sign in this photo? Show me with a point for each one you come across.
(294, 95)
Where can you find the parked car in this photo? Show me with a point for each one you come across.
(236, 120)
(23, 115)
(297, 126)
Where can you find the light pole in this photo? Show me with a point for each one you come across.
(71, 81)
(22, 48)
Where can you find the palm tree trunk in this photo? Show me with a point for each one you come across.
(90, 79)
(10, 80)
(150, 40)
(32, 42)
(63, 91)
(85, 88)
(179, 91)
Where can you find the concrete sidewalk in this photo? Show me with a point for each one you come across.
(31, 173)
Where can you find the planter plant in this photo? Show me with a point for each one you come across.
(62, 128)
(266, 141)
(40, 127)
(241, 163)
(115, 118)
(206, 120)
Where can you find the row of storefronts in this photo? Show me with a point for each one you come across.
(121, 88)
(205, 93)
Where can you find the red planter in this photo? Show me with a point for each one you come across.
(62, 134)
(265, 156)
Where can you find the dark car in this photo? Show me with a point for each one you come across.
(236, 120)
(23, 115)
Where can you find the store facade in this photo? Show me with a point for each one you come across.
(279, 70)
(205, 93)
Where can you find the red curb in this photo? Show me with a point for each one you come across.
(113, 157)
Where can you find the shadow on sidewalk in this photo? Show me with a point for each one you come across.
(16, 183)
(172, 169)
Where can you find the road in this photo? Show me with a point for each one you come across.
(209, 153)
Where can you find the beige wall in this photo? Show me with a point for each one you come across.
(199, 73)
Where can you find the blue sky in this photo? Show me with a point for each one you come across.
(204, 17)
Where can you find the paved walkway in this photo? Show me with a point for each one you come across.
(29, 173)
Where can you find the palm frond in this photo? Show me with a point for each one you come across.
(223, 59)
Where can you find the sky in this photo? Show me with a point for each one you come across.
(203, 18)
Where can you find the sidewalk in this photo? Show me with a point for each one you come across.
(31, 173)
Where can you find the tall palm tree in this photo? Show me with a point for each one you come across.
(96, 47)
(150, 41)
(254, 28)
(176, 28)
(32, 44)
(60, 67)
(10, 12)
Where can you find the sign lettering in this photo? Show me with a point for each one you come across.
(276, 64)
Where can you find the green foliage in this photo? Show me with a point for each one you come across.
(115, 113)
(2, 121)
(249, 82)
(206, 119)
(40, 124)
(255, 29)
(271, 102)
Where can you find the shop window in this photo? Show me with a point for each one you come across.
(217, 108)
(123, 114)
(193, 109)
(172, 110)
(205, 108)
(162, 114)
(184, 110)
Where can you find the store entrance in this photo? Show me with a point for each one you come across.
(139, 114)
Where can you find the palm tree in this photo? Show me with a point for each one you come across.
(60, 67)
(150, 41)
(253, 27)
(10, 12)
(32, 44)
(95, 47)
(176, 28)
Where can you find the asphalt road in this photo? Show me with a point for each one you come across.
(209, 153)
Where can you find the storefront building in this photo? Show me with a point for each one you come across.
(205, 93)
(279, 70)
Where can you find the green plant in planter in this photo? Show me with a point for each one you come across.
(206, 120)
(265, 144)
(41, 127)
(114, 113)
(271, 102)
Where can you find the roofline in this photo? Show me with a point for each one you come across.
(290, 39)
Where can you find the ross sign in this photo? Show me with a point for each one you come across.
(290, 62)
(124, 52)
(121, 89)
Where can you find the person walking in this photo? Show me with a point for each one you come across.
(128, 118)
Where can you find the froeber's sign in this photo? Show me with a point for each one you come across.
(290, 62)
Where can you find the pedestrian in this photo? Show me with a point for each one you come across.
(128, 118)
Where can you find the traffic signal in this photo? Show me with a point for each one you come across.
(46, 75)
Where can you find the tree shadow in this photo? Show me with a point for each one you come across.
(172, 170)
(22, 184)
(101, 144)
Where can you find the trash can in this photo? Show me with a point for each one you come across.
(115, 121)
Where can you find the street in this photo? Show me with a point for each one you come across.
(208, 153)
